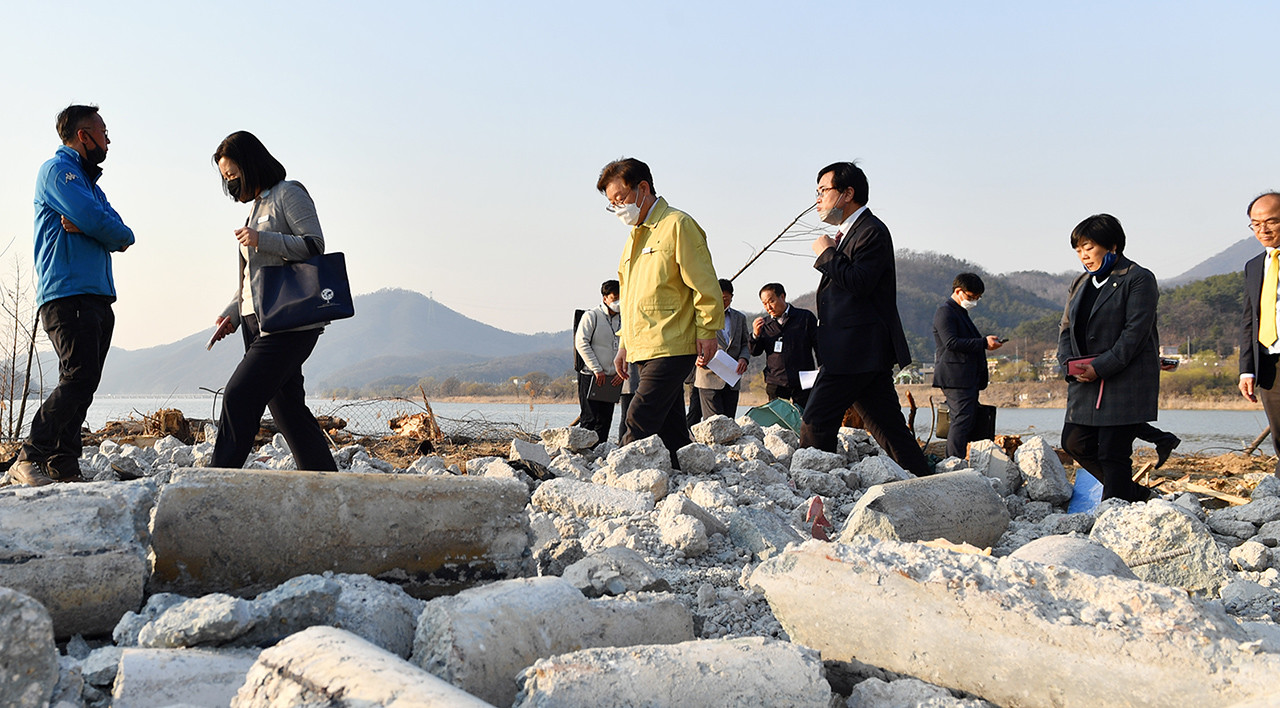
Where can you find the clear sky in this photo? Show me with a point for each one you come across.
(452, 147)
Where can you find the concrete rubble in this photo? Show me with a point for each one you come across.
(575, 550)
(971, 623)
(481, 638)
(766, 672)
(163, 677)
(28, 657)
(324, 666)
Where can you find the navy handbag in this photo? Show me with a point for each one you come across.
(298, 294)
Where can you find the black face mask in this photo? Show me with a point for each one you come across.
(96, 155)
(233, 188)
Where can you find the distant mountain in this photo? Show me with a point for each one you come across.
(394, 332)
(1230, 260)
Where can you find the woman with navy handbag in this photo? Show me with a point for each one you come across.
(282, 226)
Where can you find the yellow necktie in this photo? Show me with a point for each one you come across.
(1267, 312)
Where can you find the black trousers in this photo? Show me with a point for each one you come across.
(798, 396)
(79, 327)
(1270, 398)
(624, 402)
(270, 376)
(694, 414)
(718, 401)
(595, 415)
(1106, 452)
(658, 405)
(962, 403)
(874, 398)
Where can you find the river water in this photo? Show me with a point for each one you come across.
(1208, 431)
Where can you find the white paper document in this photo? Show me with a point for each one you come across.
(724, 366)
(807, 378)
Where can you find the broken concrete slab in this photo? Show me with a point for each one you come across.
(533, 452)
(645, 454)
(677, 504)
(1257, 512)
(211, 620)
(1042, 471)
(79, 549)
(990, 460)
(330, 667)
(380, 613)
(1163, 543)
(970, 622)
(877, 693)
(243, 532)
(571, 438)
(696, 459)
(1077, 552)
(810, 458)
(716, 430)
(28, 657)
(751, 671)
(760, 531)
(960, 506)
(1251, 555)
(480, 639)
(877, 469)
(653, 481)
(569, 497)
(616, 570)
(165, 677)
(683, 533)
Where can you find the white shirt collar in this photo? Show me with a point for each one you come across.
(847, 225)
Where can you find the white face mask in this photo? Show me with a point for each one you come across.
(968, 304)
(629, 214)
(615, 306)
(833, 216)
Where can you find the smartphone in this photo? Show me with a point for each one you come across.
(1167, 363)
(1002, 340)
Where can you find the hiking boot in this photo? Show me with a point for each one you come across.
(65, 469)
(29, 473)
(1164, 446)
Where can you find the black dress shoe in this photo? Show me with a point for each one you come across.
(29, 473)
(1164, 446)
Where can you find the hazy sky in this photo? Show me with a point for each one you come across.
(452, 148)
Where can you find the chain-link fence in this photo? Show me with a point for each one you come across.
(372, 417)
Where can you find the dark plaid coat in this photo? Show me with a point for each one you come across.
(1122, 334)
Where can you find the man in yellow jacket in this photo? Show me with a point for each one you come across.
(671, 305)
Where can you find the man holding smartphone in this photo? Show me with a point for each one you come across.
(960, 360)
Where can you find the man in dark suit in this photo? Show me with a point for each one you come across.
(716, 397)
(787, 338)
(960, 360)
(1257, 355)
(860, 335)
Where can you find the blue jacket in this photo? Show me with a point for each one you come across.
(74, 263)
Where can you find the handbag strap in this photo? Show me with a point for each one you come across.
(311, 245)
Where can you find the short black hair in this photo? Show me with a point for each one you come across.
(726, 286)
(71, 120)
(775, 288)
(630, 170)
(847, 174)
(258, 169)
(609, 287)
(1102, 229)
(1249, 211)
(968, 282)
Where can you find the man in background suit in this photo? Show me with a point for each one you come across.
(860, 334)
(1258, 356)
(787, 338)
(960, 360)
(716, 396)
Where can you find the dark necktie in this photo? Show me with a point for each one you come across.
(839, 235)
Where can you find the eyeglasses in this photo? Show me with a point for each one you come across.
(821, 191)
(1264, 225)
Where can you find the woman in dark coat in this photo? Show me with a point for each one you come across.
(1110, 315)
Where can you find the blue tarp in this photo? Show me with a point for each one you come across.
(1086, 495)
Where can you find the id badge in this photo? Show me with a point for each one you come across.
(777, 346)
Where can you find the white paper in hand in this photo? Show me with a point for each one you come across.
(807, 378)
(724, 366)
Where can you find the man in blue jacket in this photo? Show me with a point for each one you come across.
(960, 359)
(76, 230)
